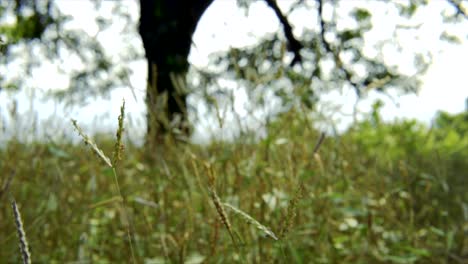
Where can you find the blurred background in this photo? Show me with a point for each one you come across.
(79, 59)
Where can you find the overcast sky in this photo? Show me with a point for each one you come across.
(224, 25)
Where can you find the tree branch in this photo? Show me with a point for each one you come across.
(294, 45)
(336, 57)
(459, 8)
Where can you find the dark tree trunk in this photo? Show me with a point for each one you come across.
(166, 28)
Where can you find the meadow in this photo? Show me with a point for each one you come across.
(378, 193)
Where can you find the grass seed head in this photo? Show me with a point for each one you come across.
(88, 141)
(249, 219)
(292, 211)
(221, 212)
(23, 242)
(119, 147)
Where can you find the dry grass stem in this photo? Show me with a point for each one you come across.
(319, 142)
(292, 205)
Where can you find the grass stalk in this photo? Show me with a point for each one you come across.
(117, 156)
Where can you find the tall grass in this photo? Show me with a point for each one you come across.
(367, 196)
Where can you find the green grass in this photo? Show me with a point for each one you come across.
(380, 193)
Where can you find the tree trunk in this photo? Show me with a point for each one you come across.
(166, 28)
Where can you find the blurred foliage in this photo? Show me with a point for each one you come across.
(37, 32)
(445, 142)
(378, 193)
(331, 56)
(31, 21)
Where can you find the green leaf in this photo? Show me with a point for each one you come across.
(361, 14)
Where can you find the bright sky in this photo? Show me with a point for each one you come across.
(224, 25)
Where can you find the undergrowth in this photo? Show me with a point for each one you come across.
(379, 193)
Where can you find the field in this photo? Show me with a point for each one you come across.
(378, 193)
